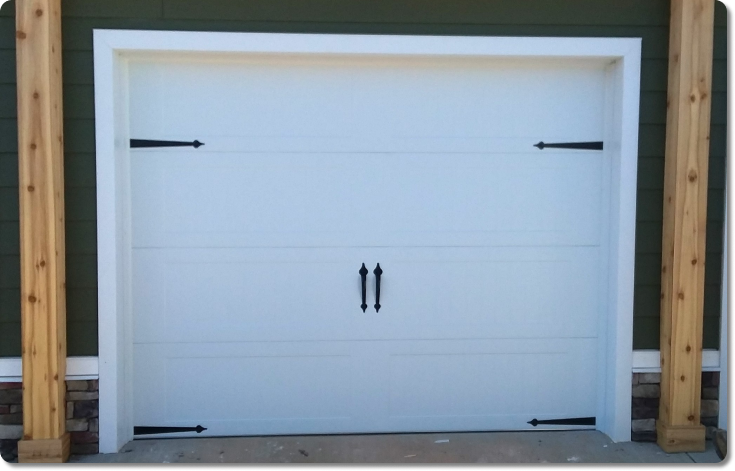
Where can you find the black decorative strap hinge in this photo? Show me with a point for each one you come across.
(154, 430)
(576, 421)
(596, 145)
(140, 143)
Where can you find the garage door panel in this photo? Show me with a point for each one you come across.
(480, 99)
(229, 295)
(347, 97)
(259, 387)
(500, 293)
(306, 200)
(466, 384)
(226, 295)
(245, 251)
(373, 386)
(251, 98)
(267, 387)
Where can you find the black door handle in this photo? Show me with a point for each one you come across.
(363, 274)
(378, 271)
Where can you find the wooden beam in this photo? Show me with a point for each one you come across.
(685, 220)
(42, 251)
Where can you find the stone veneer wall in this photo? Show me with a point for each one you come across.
(82, 417)
(646, 394)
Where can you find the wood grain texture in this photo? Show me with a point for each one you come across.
(685, 221)
(54, 450)
(680, 439)
(41, 188)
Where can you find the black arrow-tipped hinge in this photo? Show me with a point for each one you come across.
(140, 143)
(596, 145)
(576, 421)
(155, 430)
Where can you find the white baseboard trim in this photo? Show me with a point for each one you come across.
(77, 368)
(649, 361)
(644, 361)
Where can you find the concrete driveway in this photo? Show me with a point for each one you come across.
(492, 447)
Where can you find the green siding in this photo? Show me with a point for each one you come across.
(647, 19)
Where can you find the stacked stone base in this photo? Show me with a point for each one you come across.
(11, 419)
(646, 394)
(82, 417)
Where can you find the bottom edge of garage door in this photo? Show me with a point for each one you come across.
(147, 432)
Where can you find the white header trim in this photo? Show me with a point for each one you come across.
(288, 43)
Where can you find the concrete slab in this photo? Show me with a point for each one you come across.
(491, 447)
(709, 455)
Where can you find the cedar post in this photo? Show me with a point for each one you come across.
(42, 251)
(685, 218)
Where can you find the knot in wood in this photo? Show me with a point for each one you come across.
(20, 35)
(692, 175)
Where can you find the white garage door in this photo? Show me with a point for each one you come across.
(247, 296)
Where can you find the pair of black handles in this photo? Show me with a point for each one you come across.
(363, 275)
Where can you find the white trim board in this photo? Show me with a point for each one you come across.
(114, 49)
(77, 368)
(649, 361)
(644, 361)
(724, 312)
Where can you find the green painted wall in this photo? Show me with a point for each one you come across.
(636, 18)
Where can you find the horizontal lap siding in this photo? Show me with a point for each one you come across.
(9, 237)
(582, 18)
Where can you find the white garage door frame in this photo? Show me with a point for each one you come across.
(114, 48)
